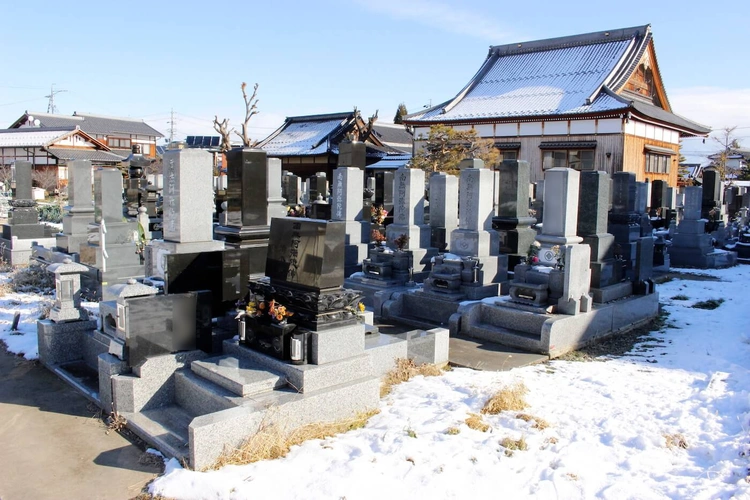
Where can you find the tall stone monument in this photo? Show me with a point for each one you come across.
(112, 247)
(347, 208)
(79, 212)
(443, 208)
(513, 222)
(23, 228)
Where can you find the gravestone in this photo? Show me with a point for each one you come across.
(563, 276)
(384, 189)
(79, 212)
(538, 204)
(352, 154)
(513, 222)
(253, 200)
(23, 228)
(443, 208)
(408, 219)
(318, 185)
(112, 247)
(347, 208)
(293, 190)
(593, 202)
(691, 245)
(624, 221)
(188, 209)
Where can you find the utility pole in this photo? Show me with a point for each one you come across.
(171, 125)
(51, 108)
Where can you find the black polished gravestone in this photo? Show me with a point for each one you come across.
(225, 272)
(163, 324)
(305, 273)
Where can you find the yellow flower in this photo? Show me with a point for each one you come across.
(361, 307)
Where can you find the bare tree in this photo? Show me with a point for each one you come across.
(729, 144)
(222, 127)
(45, 178)
(6, 176)
(251, 109)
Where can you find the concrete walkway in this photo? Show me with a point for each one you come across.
(53, 447)
(487, 356)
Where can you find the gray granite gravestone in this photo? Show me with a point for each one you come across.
(23, 228)
(346, 206)
(188, 209)
(513, 222)
(79, 212)
(112, 247)
(443, 208)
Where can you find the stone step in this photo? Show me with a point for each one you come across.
(241, 376)
(513, 318)
(505, 336)
(200, 396)
(164, 428)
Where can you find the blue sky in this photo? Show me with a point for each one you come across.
(142, 59)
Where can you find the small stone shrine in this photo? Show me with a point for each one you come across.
(112, 248)
(23, 228)
(79, 212)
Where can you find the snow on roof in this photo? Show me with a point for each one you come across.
(35, 137)
(93, 124)
(302, 138)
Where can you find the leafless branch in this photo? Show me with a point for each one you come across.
(251, 109)
(222, 129)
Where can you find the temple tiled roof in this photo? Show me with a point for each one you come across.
(566, 76)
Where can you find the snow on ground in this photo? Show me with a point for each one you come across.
(607, 435)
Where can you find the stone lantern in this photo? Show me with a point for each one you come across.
(68, 288)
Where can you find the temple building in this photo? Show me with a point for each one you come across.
(591, 102)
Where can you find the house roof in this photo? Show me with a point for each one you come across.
(91, 124)
(394, 135)
(84, 154)
(31, 138)
(567, 76)
(312, 135)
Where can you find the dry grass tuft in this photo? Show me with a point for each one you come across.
(512, 445)
(572, 477)
(5, 288)
(32, 279)
(272, 442)
(405, 370)
(675, 441)
(452, 431)
(476, 422)
(115, 422)
(538, 423)
(508, 398)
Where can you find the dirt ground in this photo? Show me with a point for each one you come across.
(55, 445)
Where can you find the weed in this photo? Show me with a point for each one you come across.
(32, 279)
(452, 431)
(271, 441)
(475, 422)
(680, 297)
(676, 440)
(571, 476)
(411, 432)
(115, 422)
(508, 398)
(404, 370)
(512, 445)
(709, 304)
(538, 423)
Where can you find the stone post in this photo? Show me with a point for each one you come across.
(443, 208)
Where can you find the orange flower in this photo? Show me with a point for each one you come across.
(262, 305)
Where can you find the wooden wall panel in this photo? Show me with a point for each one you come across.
(634, 152)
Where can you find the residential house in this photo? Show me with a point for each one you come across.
(591, 101)
(49, 149)
(118, 134)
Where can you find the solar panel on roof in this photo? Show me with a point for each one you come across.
(215, 141)
(190, 140)
(206, 141)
